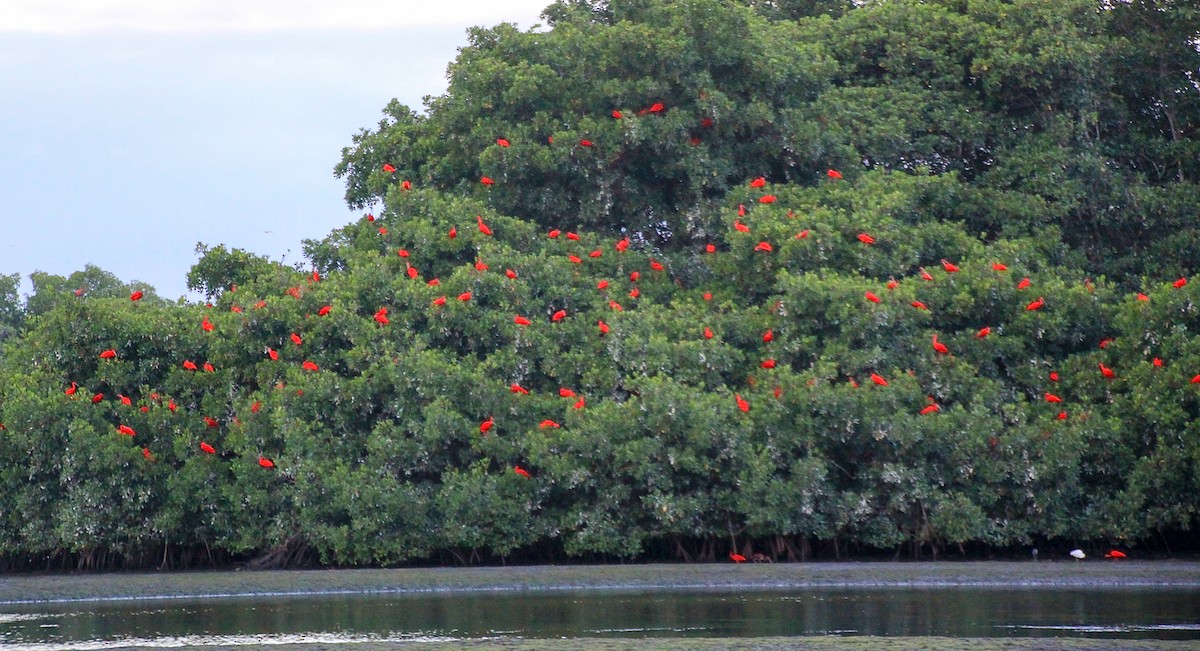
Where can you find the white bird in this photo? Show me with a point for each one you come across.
(1078, 554)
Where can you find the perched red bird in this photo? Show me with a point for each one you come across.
(622, 245)
(658, 266)
(453, 233)
(872, 297)
(1106, 371)
(879, 379)
(389, 168)
(136, 296)
(206, 325)
(465, 296)
(381, 316)
(324, 310)
(802, 234)
(516, 388)
(439, 301)
(548, 424)
(939, 346)
(833, 174)
(559, 315)
(1050, 397)
(208, 368)
(580, 404)
(572, 236)
(126, 430)
(208, 449)
(741, 403)
(999, 267)
(502, 142)
(1054, 376)
(310, 366)
(930, 409)
(71, 389)
(486, 425)
(768, 336)
(554, 233)
(865, 239)
(273, 354)
(768, 363)
(1142, 297)
(710, 248)
(510, 274)
(480, 265)
(265, 462)
(603, 327)
(764, 247)
(1196, 379)
(1179, 283)
(564, 392)
(925, 275)
(487, 181)
(1062, 415)
(740, 227)
(616, 115)
(574, 259)
(1024, 283)
(125, 400)
(708, 334)
(521, 321)
(189, 365)
(406, 185)
(950, 267)
(1036, 305)
(758, 182)
(983, 332)
(483, 228)
(1157, 361)
(108, 354)
(97, 399)
(595, 254)
(767, 198)
(296, 339)
(522, 472)
(919, 305)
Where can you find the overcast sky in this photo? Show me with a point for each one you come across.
(130, 130)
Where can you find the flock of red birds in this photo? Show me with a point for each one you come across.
(621, 246)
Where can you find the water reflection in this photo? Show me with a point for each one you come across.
(1156, 613)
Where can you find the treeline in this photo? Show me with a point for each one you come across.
(670, 280)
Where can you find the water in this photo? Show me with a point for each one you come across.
(1125, 613)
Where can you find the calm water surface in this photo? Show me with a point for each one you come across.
(1141, 613)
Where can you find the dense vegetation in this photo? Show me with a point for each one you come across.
(671, 280)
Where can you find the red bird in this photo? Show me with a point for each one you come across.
(1179, 283)
(741, 210)
(389, 168)
(950, 267)
(622, 245)
(833, 174)
(930, 409)
(741, 403)
(381, 316)
(510, 274)
(878, 379)
(710, 248)
(296, 339)
(1054, 376)
(1142, 297)
(522, 472)
(763, 246)
(919, 305)
(71, 389)
(758, 182)
(548, 424)
(483, 228)
(767, 198)
(1196, 379)
(1062, 415)
(602, 285)
(125, 400)
(265, 462)
(146, 454)
(136, 296)
(614, 306)
(737, 558)
(208, 368)
(1023, 284)
(872, 297)
(487, 181)
(892, 284)
(206, 325)
(1036, 305)
(1107, 372)
(595, 254)
(310, 366)
(1157, 361)
(108, 354)
(324, 311)
(581, 403)
(603, 327)
(658, 266)
(189, 365)
(768, 363)
(516, 388)
(566, 393)
(1115, 554)
(572, 236)
(740, 227)
(768, 336)
(925, 275)
(434, 282)
(96, 399)
(208, 449)
(559, 315)
(465, 296)
(1050, 397)
(453, 232)
(273, 354)
(939, 346)
(406, 185)
(585, 143)
(865, 239)
(439, 301)
(999, 267)
(802, 234)
(254, 408)
(502, 142)
(521, 321)
(616, 115)
(486, 425)
(574, 259)
(480, 265)
(126, 430)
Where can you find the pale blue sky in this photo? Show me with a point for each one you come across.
(126, 140)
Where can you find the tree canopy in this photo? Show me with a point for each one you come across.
(671, 280)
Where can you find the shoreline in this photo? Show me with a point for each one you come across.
(158, 586)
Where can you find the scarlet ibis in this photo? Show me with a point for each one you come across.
(389, 168)
(872, 297)
(265, 462)
(136, 296)
(737, 558)
(939, 346)
(865, 238)
(521, 321)
(522, 472)
(486, 425)
(1115, 554)
(741, 403)
(879, 379)
(208, 449)
(108, 354)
